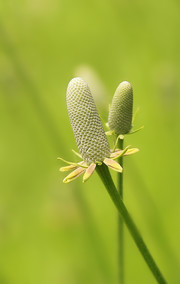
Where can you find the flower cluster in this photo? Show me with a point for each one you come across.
(89, 133)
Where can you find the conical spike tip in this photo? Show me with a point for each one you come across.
(85, 121)
(120, 115)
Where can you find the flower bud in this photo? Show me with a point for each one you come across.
(85, 121)
(120, 114)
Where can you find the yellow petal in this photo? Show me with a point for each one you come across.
(89, 172)
(68, 168)
(73, 175)
(113, 165)
(131, 151)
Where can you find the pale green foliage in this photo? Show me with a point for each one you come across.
(120, 114)
(85, 121)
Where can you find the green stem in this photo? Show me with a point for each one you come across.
(120, 221)
(106, 178)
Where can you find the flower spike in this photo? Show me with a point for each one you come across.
(121, 118)
(85, 121)
(89, 134)
(120, 114)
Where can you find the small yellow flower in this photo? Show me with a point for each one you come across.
(89, 134)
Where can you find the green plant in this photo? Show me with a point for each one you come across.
(96, 154)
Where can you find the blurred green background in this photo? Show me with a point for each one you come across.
(51, 233)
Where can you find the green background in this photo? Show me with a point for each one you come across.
(51, 233)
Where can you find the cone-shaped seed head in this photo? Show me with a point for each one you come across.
(120, 114)
(85, 121)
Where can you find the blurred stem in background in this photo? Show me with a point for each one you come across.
(106, 178)
(53, 133)
(152, 217)
(120, 220)
(42, 110)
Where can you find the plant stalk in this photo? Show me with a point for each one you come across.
(120, 220)
(106, 178)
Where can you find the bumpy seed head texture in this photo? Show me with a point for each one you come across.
(85, 121)
(120, 114)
